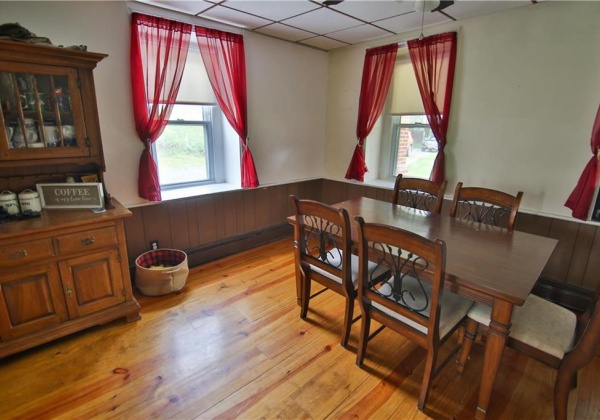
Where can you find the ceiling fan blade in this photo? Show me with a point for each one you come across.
(332, 2)
(443, 4)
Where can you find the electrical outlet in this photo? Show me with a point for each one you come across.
(153, 245)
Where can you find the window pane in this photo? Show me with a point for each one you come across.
(414, 146)
(183, 153)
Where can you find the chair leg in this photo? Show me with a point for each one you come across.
(304, 295)
(562, 387)
(365, 326)
(347, 321)
(427, 377)
(461, 334)
(467, 343)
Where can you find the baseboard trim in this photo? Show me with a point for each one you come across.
(233, 245)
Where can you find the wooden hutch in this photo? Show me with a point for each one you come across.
(62, 270)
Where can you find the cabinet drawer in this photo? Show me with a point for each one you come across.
(26, 252)
(86, 240)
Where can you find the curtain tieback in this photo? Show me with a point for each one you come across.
(246, 143)
(598, 154)
(149, 147)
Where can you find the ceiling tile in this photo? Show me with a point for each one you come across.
(323, 43)
(370, 11)
(462, 10)
(412, 21)
(288, 33)
(234, 18)
(322, 20)
(275, 10)
(358, 34)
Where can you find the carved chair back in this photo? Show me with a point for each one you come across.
(413, 289)
(419, 193)
(484, 205)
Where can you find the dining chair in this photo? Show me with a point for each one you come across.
(412, 300)
(548, 333)
(323, 254)
(485, 205)
(419, 193)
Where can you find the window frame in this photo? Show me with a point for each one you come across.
(210, 146)
(395, 132)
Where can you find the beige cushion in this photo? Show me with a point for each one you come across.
(334, 259)
(538, 323)
(454, 307)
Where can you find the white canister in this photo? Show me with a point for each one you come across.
(9, 202)
(30, 201)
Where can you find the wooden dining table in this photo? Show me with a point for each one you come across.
(485, 263)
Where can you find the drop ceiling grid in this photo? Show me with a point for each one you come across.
(311, 23)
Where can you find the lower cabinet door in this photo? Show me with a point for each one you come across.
(31, 299)
(92, 282)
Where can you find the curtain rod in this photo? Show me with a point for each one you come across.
(150, 9)
(404, 42)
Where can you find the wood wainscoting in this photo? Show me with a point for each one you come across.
(215, 225)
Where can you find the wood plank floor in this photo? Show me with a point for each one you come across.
(232, 345)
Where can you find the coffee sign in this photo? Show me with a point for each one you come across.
(71, 195)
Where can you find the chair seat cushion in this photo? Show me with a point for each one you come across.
(334, 258)
(454, 307)
(538, 323)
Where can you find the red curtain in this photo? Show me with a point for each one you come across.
(433, 59)
(580, 199)
(158, 52)
(377, 75)
(223, 56)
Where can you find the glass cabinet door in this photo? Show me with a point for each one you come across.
(42, 113)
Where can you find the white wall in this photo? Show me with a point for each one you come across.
(527, 87)
(286, 92)
(287, 87)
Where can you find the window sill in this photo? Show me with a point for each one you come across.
(195, 191)
(382, 183)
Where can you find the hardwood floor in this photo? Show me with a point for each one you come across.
(232, 345)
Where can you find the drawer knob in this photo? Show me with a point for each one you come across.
(18, 254)
(87, 241)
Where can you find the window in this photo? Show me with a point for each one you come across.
(413, 146)
(198, 146)
(184, 152)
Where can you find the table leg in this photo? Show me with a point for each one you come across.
(494, 346)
